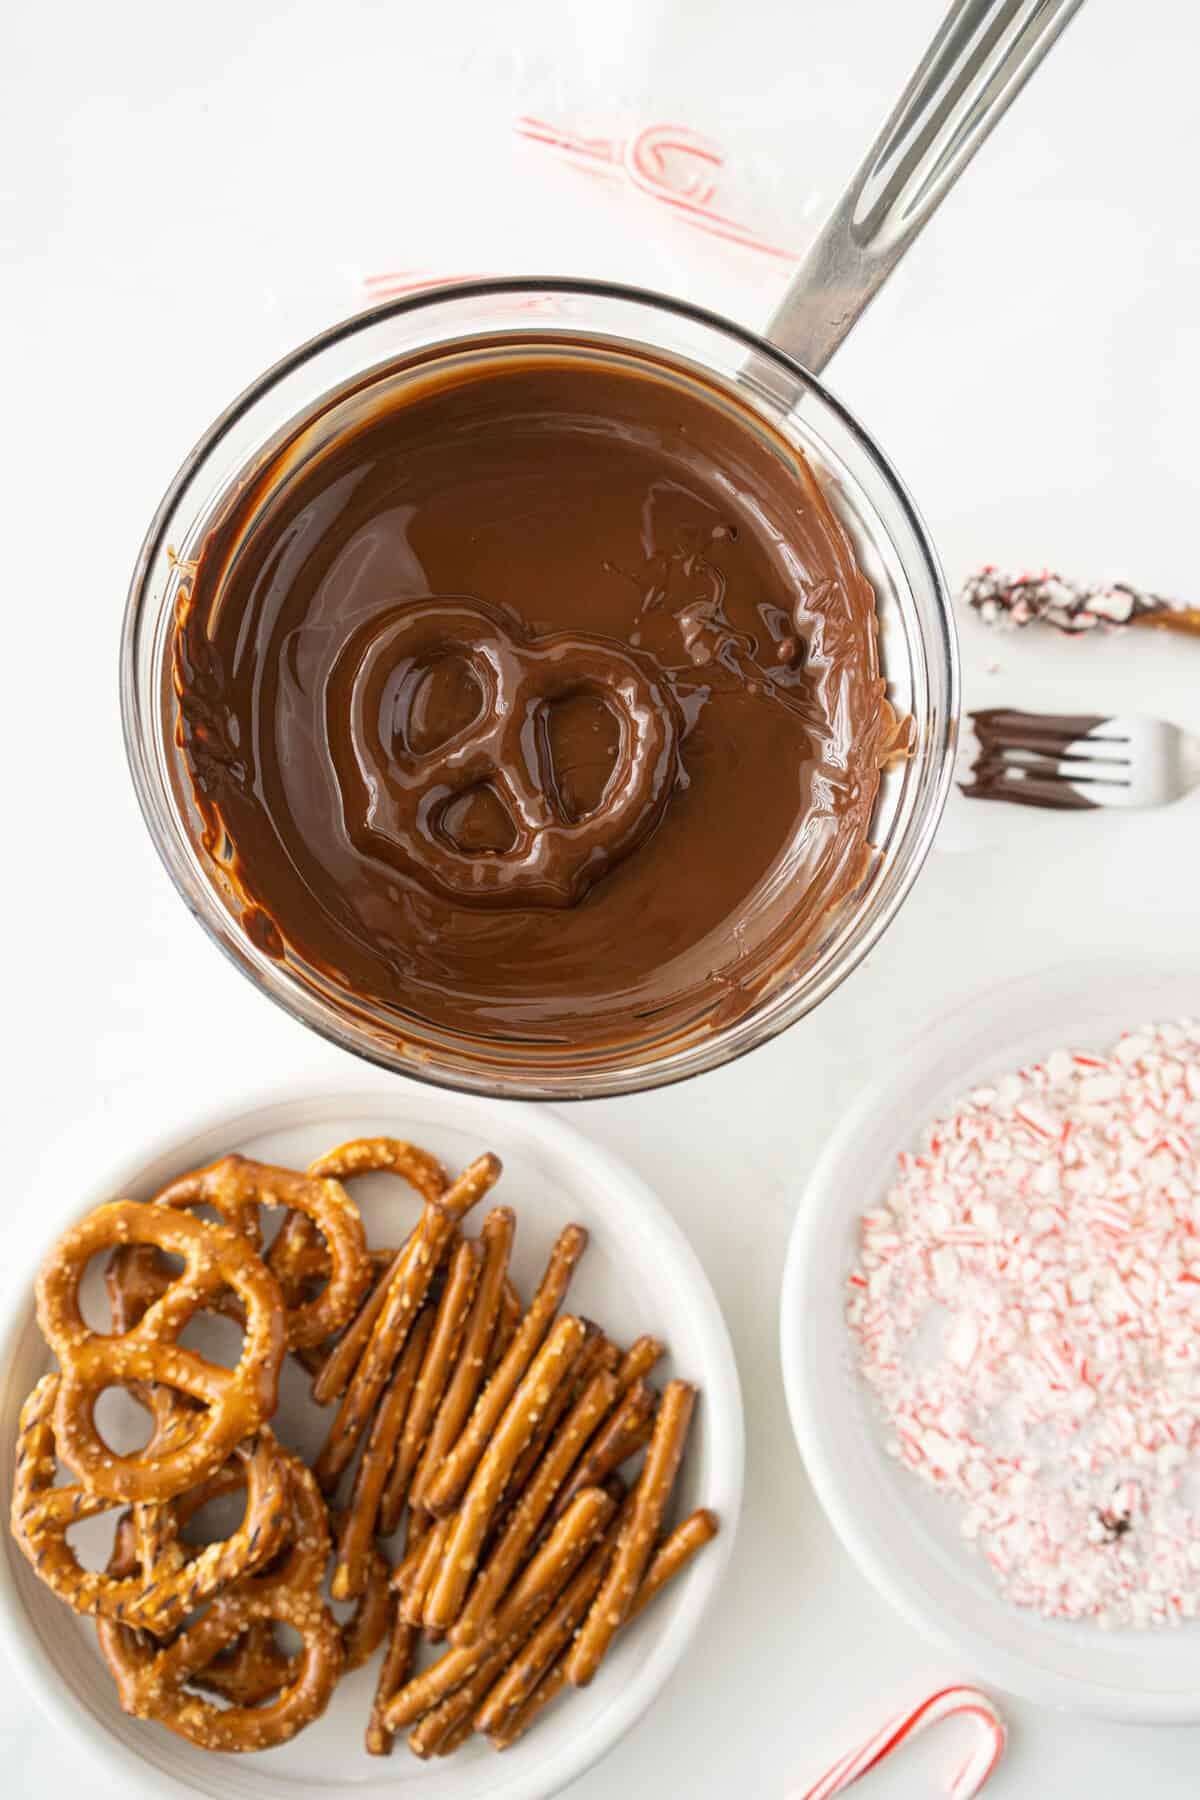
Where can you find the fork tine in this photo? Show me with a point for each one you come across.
(994, 777)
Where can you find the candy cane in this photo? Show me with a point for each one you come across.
(947, 1703)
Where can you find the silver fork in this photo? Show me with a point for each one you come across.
(1080, 761)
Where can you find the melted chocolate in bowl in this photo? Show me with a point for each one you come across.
(535, 702)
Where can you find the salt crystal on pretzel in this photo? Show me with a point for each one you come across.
(447, 1486)
(969, 1778)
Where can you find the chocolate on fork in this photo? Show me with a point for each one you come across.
(1080, 762)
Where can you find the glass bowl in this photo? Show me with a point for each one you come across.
(918, 653)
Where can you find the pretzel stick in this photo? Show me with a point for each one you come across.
(674, 1553)
(447, 1487)
(448, 1348)
(404, 1297)
(517, 1724)
(555, 1632)
(535, 1591)
(616, 1596)
(437, 1365)
(346, 1353)
(617, 1440)
(638, 1361)
(313, 1357)
(447, 1726)
(546, 1373)
(597, 1353)
(672, 1556)
(358, 1523)
(398, 1660)
(413, 1588)
(480, 1335)
(455, 1739)
(493, 1580)
(506, 1329)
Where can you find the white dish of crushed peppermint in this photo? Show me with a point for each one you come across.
(991, 1336)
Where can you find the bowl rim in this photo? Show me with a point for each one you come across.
(263, 1110)
(318, 1013)
(809, 1244)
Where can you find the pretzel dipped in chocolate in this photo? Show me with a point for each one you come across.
(154, 1683)
(159, 1598)
(417, 1265)
(234, 1402)
(236, 1187)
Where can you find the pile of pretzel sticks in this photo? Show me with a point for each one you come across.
(492, 1441)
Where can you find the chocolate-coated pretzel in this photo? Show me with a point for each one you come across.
(395, 798)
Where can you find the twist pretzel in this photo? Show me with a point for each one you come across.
(153, 1683)
(236, 1186)
(156, 1597)
(235, 1402)
(254, 1668)
(395, 799)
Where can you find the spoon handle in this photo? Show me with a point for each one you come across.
(982, 56)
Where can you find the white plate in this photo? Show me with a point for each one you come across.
(904, 1536)
(638, 1274)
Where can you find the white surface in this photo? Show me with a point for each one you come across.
(185, 193)
(638, 1275)
(906, 1538)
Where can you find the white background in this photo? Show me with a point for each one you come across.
(187, 191)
